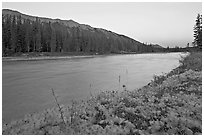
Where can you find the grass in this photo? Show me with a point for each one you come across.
(170, 104)
(192, 62)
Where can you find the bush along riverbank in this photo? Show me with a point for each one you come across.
(169, 104)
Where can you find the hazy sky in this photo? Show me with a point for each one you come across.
(167, 24)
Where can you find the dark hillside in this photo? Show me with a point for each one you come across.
(23, 33)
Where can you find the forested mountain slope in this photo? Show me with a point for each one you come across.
(23, 33)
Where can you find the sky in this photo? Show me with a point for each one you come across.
(167, 24)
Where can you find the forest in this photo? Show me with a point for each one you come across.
(23, 34)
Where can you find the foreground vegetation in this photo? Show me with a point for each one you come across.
(170, 104)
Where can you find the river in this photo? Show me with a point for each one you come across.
(26, 85)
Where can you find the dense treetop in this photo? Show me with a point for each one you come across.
(198, 31)
(23, 33)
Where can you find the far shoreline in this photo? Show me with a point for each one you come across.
(6, 59)
(57, 56)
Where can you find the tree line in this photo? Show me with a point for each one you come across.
(21, 35)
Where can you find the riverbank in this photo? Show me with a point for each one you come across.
(171, 104)
(35, 56)
(46, 56)
(43, 58)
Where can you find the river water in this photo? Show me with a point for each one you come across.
(26, 85)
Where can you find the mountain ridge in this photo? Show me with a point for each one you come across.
(69, 22)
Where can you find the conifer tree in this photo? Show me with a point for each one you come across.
(198, 31)
(13, 34)
(53, 40)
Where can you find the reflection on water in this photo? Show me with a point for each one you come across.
(27, 84)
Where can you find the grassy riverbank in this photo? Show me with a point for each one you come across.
(46, 56)
(170, 104)
(34, 56)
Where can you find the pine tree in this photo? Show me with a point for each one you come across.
(53, 40)
(198, 31)
(6, 34)
(38, 35)
(20, 35)
(28, 35)
(13, 34)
